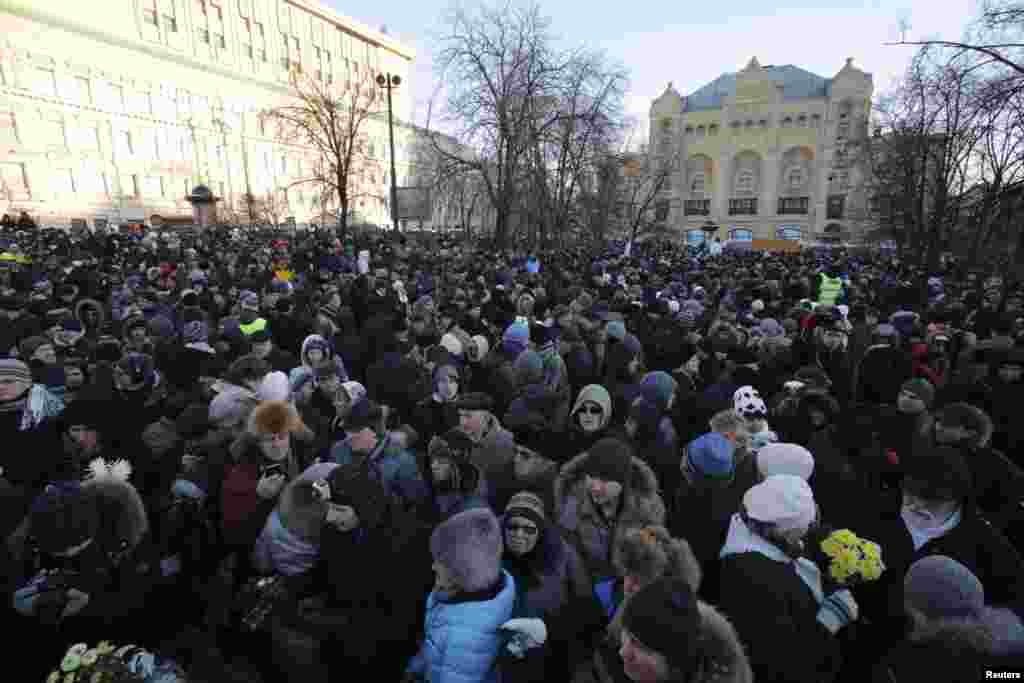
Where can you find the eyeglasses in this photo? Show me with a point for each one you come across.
(527, 529)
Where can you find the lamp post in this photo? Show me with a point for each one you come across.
(388, 81)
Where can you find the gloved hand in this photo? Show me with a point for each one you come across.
(838, 610)
(269, 487)
(525, 634)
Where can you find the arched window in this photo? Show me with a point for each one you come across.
(741, 235)
(802, 120)
(794, 179)
(736, 125)
(695, 238)
(815, 120)
(689, 130)
(787, 122)
(700, 131)
(713, 129)
(763, 123)
(697, 185)
(793, 233)
(745, 184)
(750, 123)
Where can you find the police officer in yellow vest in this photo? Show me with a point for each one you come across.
(250, 321)
(830, 286)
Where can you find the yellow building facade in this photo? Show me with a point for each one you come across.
(766, 153)
(112, 111)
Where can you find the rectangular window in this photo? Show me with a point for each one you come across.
(45, 82)
(54, 133)
(794, 205)
(836, 204)
(697, 207)
(12, 182)
(62, 181)
(743, 207)
(123, 143)
(8, 129)
(153, 186)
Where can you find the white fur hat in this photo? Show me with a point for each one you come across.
(785, 458)
(784, 500)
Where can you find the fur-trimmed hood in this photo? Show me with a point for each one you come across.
(122, 511)
(642, 504)
(91, 303)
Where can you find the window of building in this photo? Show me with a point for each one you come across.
(661, 211)
(750, 123)
(835, 206)
(695, 238)
(54, 134)
(741, 235)
(736, 125)
(153, 186)
(81, 90)
(701, 131)
(713, 129)
(44, 82)
(697, 185)
(802, 120)
(763, 123)
(793, 233)
(745, 183)
(815, 120)
(62, 181)
(129, 186)
(8, 129)
(13, 186)
(123, 143)
(794, 179)
(787, 122)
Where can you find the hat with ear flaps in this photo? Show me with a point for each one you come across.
(275, 417)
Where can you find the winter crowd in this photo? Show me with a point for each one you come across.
(245, 457)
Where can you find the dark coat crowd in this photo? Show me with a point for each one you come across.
(268, 457)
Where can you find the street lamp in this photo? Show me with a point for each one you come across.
(388, 81)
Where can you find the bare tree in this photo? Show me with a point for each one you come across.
(331, 118)
(499, 68)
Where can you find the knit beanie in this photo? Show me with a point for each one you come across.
(616, 330)
(516, 338)
(275, 387)
(712, 455)
(161, 327)
(646, 416)
(664, 617)
(16, 370)
(299, 377)
(632, 345)
(785, 458)
(938, 586)
(528, 368)
(196, 332)
(528, 505)
(771, 328)
(921, 389)
(783, 500)
(63, 516)
(658, 386)
(938, 474)
(610, 460)
(469, 545)
(353, 485)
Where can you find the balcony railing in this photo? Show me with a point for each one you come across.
(743, 207)
(697, 207)
(793, 205)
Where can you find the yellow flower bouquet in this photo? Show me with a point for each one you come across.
(851, 559)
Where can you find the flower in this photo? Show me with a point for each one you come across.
(70, 677)
(71, 662)
(846, 537)
(54, 677)
(90, 657)
(78, 649)
(105, 647)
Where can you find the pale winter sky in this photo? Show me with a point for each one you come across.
(691, 43)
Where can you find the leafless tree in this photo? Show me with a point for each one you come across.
(332, 118)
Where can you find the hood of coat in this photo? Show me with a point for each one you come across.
(101, 316)
(642, 504)
(595, 393)
(312, 339)
(126, 509)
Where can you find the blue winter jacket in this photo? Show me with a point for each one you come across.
(462, 639)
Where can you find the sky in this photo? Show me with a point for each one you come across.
(691, 43)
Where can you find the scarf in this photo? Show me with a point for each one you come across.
(16, 404)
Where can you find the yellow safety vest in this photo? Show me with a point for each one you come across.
(257, 325)
(831, 288)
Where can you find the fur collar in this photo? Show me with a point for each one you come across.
(642, 503)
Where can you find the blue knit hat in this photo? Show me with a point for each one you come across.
(516, 338)
(616, 330)
(658, 387)
(938, 586)
(632, 345)
(528, 368)
(712, 455)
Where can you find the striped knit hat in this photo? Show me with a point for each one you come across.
(14, 369)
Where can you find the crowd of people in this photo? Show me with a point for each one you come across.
(266, 458)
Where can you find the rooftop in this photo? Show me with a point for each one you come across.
(797, 84)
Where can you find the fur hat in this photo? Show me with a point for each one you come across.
(937, 474)
(665, 618)
(274, 417)
(469, 545)
(783, 500)
(609, 459)
(352, 485)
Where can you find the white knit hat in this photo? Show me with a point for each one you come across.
(784, 500)
(450, 342)
(275, 387)
(785, 458)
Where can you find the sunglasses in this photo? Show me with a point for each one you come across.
(591, 410)
(527, 529)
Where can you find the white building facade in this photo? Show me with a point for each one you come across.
(114, 111)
